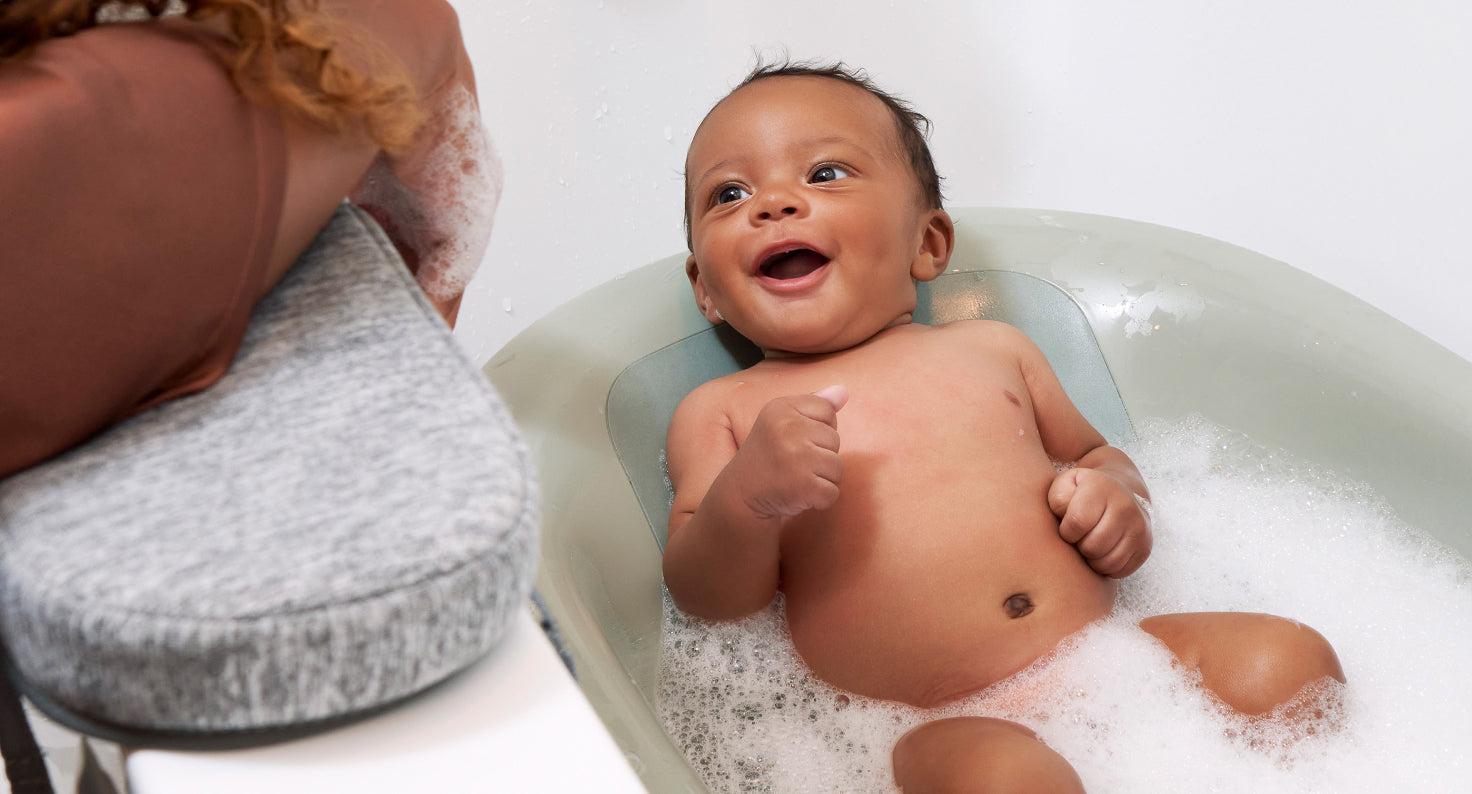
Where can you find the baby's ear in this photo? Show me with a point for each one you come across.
(702, 298)
(936, 243)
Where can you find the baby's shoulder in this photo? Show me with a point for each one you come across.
(709, 400)
(988, 335)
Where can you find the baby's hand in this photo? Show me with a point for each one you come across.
(789, 463)
(1103, 519)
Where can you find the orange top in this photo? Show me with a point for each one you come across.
(140, 195)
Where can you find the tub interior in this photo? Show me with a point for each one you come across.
(1139, 320)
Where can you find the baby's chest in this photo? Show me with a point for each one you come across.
(913, 420)
(899, 395)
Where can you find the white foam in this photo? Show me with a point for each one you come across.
(1237, 528)
(116, 11)
(463, 187)
(445, 217)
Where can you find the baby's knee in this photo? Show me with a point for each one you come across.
(978, 755)
(1254, 663)
(1288, 657)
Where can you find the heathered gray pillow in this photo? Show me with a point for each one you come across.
(348, 517)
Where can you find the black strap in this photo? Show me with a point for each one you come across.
(23, 762)
(549, 628)
(90, 778)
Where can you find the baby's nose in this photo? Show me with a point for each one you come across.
(778, 203)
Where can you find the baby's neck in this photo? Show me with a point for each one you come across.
(777, 354)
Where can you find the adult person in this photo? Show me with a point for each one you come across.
(163, 163)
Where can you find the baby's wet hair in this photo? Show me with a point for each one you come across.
(913, 127)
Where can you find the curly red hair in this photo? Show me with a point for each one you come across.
(292, 57)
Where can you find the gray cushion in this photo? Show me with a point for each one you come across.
(348, 517)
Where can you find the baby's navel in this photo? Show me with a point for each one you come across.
(1018, 605)
(1012, 398)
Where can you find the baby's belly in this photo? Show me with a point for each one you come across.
(927, 616)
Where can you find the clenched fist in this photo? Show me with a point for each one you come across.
(1103, 519)
(789, 462)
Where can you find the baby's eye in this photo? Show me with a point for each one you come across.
(730, 193)
(828, 173)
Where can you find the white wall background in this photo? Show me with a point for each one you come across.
(1336, 137)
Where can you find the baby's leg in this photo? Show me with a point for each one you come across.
(979, 755)
(1254, 663)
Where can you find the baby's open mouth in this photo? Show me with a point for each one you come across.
(792, 264)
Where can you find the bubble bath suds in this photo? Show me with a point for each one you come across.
(446, 217)
(1238, 528)
(465, 172)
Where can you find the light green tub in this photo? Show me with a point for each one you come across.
(1185, 325)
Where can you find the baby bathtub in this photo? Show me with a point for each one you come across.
(1138, 319)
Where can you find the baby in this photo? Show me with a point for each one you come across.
(971, 518)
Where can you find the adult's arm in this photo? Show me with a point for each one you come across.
(436, 199)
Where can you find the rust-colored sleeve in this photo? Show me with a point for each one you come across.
(140, 195)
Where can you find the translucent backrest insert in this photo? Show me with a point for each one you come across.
(644, 396)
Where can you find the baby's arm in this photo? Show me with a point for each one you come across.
(721, 560)
(1101, 499)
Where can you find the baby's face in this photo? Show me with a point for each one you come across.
(806, 220)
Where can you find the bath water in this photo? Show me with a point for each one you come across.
(1237, 528)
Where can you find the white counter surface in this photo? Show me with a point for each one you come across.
(514, 722)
